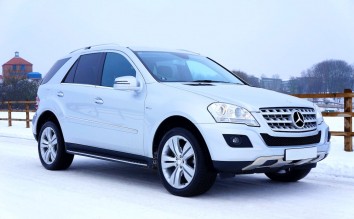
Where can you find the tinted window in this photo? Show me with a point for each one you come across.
(69, 78)
(89, 69)
(54, 70)
(115, 66)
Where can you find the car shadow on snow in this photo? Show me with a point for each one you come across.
(101, 169)
(239, 186)
(258, 185)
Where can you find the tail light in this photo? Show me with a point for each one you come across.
(37, 102)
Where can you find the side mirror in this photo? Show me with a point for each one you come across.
(126, 83)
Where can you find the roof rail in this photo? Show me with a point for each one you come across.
(89, 47)
(189, 51)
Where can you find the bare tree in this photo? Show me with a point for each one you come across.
(332, 76)
(250, 79)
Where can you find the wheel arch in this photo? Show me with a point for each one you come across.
(45, 117)
(178, 122)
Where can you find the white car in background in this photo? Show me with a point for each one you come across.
(176, 111)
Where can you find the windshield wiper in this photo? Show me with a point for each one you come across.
(210, 81)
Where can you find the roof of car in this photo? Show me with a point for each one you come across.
(118, 47)
(160, 50)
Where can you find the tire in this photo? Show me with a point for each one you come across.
(183, 167)
(288, 175)
(51, 148)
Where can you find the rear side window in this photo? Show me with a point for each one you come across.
(54, 70)
(115, 66)
(89, 69)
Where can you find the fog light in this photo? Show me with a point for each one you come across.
(238, 141)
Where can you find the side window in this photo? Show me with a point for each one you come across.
(54, 70)
(89, 69)
(116, 65)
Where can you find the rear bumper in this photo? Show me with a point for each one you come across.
(34, 126)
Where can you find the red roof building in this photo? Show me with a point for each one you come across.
(16, 67)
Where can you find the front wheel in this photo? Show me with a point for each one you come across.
(183, 167)
(288, 175)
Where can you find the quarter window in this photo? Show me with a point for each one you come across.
(69, 78)
(54, 70)
(116, 65)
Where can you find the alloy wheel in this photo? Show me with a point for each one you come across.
(178, 162)
(48, 145)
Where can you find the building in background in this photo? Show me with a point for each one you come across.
(16, 67)
(19, 68)
(285, 86)
(271, 83)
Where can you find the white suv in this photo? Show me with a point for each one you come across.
(176, 111)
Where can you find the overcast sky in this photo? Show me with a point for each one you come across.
(269, 37)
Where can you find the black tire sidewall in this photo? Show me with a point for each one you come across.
(196, 186)
(61, 159)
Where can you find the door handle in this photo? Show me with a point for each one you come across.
(60, 94)
(98, 100)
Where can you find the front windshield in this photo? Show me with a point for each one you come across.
(182, 67)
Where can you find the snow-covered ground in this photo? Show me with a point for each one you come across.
(93, 188)
(18, 128)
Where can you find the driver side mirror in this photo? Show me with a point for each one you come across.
(126, 83)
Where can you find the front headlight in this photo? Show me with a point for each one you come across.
(223, 112)
(319, 116)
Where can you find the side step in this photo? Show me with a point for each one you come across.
(109, 155)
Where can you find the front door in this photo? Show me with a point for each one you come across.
(120, 114)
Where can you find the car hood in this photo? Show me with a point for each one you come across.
(251, 98)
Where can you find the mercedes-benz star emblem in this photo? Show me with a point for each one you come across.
(298, 119)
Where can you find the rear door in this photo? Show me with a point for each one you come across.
(77, 97)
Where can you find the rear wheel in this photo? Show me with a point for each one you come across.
(288, 175)
(51, 148)
(183, 167)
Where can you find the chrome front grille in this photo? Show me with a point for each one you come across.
(281, 119)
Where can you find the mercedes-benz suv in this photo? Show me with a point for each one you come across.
(176, 111)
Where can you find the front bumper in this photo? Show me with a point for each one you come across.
(261, 157)
(265, 164)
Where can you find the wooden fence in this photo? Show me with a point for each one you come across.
(10, 110)
(347, 114)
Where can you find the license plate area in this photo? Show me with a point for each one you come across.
(300, 153)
